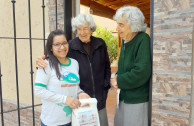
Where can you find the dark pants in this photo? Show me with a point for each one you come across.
(68, 124)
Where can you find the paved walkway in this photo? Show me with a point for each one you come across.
(110, 106)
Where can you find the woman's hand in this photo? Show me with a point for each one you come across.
(72, 102)
(40, 63)
(83, 96)
(114, 82)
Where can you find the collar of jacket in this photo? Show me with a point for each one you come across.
(76, 43)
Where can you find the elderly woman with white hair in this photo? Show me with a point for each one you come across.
(134, 68)
(94, 65)
(92, 56)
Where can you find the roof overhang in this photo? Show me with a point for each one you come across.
(107, 8)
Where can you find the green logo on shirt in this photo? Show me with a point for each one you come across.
(70, 77)
(66, 109)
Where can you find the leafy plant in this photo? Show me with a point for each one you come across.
(110, 40)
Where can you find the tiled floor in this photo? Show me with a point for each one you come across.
(110, 106)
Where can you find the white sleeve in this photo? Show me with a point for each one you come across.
(79, 90)
(41, 81)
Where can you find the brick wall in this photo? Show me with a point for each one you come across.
(172, 53)
(26, 119)
(52, 13)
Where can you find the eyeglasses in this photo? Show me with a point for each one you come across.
(58, 45)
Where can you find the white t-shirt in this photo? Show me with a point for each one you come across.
(53, 92)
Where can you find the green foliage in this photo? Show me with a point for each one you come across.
(111, 41)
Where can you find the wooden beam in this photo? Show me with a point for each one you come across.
(144, 5)
(111, 3)
(100, 10)
(85, 2)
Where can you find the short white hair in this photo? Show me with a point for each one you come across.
(134, 17)
(80, 20)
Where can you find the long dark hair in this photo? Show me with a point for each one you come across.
(53, 61)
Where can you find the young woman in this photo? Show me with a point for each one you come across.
(58, 83)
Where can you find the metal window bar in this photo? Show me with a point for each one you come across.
(56, 12)
(151, 48)
(43, 19)
(31, 72)
(23, 38)
(1, 98)
(16, 66)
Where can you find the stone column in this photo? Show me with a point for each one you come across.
(191, 119)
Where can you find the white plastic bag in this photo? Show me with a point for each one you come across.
(86, 116)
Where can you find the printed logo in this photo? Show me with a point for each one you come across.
(66, 109)
(70, 77)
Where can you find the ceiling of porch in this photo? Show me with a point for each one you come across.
(107, 8)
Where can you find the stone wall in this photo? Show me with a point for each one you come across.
(172, 54)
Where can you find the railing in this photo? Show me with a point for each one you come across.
(14, 38)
